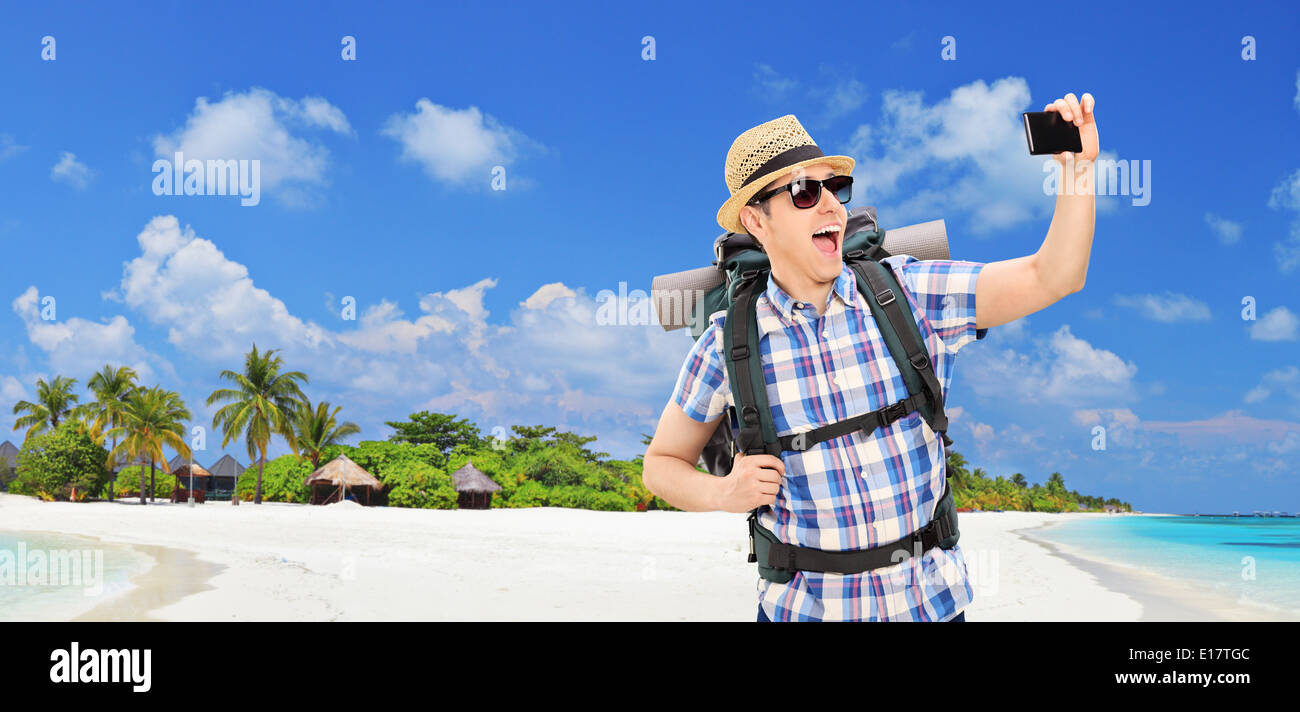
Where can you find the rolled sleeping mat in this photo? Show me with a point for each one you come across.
(674, 294)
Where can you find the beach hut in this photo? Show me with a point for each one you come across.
(185, 471)
(185, 474)
(473, 487)
(9, 454)
(339, 477)
(224, 473)
(8, 463)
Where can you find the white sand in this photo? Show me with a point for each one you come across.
(295, 562)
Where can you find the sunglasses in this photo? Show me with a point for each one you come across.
(806, 192)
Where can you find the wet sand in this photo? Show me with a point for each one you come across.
(175, 574)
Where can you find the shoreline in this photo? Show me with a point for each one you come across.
(172, 575)
(175, 574)
(289, 562)
(1161, 597)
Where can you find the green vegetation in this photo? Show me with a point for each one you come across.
(128, 481)
(972, 489)
(55, 401)
(152, 419)
(537, 466)
(62, 463)
(281, 481)
(316, 429)
(262, 404)
(112, 388)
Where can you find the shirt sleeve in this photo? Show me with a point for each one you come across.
(702, 388)
(945, 290)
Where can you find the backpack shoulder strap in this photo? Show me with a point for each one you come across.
(745, 371)
(894, 317)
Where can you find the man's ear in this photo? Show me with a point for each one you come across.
(752, 223)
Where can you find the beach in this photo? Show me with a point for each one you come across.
(274, 561)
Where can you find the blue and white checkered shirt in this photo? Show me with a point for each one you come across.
(853, 492)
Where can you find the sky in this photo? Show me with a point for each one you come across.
(446, 194)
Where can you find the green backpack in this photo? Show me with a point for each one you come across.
(749, 427)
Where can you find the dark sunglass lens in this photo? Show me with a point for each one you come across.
(842, 187)
(806, 194)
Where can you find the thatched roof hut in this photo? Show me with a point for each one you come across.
(334, 478)
(178, 462)
(184, 471)
(475, 488)
(470, 479)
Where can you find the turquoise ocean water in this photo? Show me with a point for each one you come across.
(42, 602)
(1255, 560)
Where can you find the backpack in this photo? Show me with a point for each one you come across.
(749, 426)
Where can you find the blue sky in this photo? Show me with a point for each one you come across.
(376, 185)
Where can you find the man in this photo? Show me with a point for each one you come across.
(824, 360)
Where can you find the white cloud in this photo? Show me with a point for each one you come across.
(208, 303)
(1228, 232)
(964, 153)
(546, 294)
(260, 125)
(547, 361)
(1226, 428)
(1297, 90)
(1121, 424)
(982, 432)
(840, 98)
(832, 96)
(8, 148)
(11, 390)
(1060, 369)
(1169, 307)
(455, 147)
(1277, 324)
(75, 346)
(1289, 443)
(769, 84)
(1286, 196)
(71, 171)
(1284, 380)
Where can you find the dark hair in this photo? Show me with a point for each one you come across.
(766, 205)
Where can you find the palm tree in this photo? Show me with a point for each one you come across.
(317, 429)
(152, 419)
(262, 404)
(55, 401)
(112, 388)
(956, 467)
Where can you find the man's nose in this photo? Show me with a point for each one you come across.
(829, 203)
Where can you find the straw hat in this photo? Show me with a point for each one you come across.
(763, 154)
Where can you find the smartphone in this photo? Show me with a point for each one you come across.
(1047, 132)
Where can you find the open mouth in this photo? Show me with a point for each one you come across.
(827, 243)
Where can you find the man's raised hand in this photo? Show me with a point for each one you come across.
(1080, 113)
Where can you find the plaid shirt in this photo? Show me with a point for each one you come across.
(853, 492)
